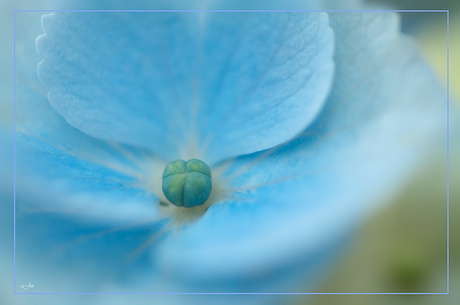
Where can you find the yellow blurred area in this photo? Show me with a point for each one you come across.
(433, 44)
(402, 249)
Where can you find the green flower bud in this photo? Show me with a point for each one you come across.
(187, 184)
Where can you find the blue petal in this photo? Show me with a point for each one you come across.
(160, 82)
(264, 77)
(79, 256)
(385, 111)
(60, 182)
(49, 151)
(100, 78)
(81, 204)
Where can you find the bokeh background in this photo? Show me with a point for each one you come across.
(403, 247)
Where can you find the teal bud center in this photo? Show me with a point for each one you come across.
(187, 184)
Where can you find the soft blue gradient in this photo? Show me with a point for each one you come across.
(363, 129)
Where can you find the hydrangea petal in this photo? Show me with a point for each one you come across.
(131, 89)
(78, 198)
(264, 82)
(97, 252)
(47, 146)
(168, 85)
(385, 111)
(66, 184)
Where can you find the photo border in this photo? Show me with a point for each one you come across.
(219, 293)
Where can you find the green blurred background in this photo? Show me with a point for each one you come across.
(403, 248)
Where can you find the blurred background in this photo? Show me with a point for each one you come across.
(403, 247)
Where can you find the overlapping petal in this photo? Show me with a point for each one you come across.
(382, 113)
(55, 160)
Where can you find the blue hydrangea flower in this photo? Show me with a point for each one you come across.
(307, 120)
